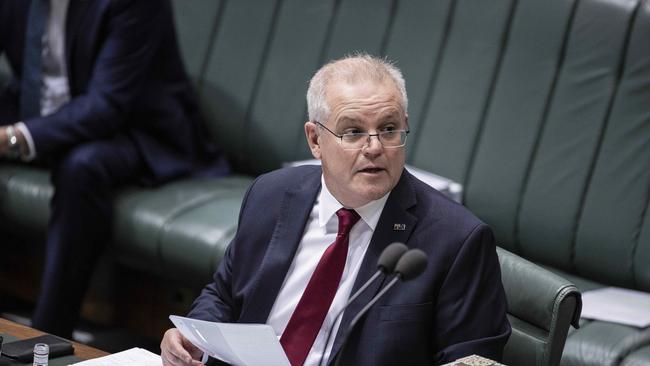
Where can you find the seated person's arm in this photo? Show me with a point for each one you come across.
(215, 303)
(471, 306)
(117, 76)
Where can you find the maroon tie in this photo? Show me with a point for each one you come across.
(307, 319)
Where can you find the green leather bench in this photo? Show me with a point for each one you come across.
(540, 108)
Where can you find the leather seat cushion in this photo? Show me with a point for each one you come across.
(25, 193)
(640, 357)
(179, 230)
(603, 343)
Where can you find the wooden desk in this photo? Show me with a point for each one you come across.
(21, 332)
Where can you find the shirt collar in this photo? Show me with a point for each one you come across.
(328, 205)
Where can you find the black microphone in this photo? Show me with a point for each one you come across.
(385, 265)
(411, 265)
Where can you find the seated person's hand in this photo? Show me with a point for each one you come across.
(176, 350)
(4, 141)
(20, 145)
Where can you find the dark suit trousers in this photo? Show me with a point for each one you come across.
(85, 179)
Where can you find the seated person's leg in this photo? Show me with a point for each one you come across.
(8, 109)
(85, 180)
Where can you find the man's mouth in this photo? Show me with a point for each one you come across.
(371, 170)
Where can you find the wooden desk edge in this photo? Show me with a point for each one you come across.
(21, 332)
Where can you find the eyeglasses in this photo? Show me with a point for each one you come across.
(357, 140)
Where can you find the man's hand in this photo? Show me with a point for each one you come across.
(175, 350)
(4, 142)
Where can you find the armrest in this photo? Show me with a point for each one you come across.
(541, 306)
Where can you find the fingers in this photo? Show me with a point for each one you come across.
(175, 350)
(193, 350)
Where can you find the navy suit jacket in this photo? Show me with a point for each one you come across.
(457, 307)
(126, 77)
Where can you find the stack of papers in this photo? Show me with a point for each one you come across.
(617, 305)
(473, 360)
(130, 357)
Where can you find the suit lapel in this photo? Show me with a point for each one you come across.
(74, 17)
(395, 212)
(294, 212)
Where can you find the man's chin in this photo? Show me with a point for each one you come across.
(374, 194)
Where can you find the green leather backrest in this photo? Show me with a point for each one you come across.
(358, 25)
(516, 114)
(538, 107)
(417, 33)
(570, 138)
(232, 71)
(195, 21)
(277, 113)
(446, 133)
(608, 244)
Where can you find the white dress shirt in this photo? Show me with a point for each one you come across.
(55, 90)
(320, 232)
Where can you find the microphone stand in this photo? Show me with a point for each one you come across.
(363, 312)
(354, 297)
(388, 260)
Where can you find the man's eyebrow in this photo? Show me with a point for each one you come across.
(347, 119)
(390, 115)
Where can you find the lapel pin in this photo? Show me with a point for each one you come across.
(399, 227)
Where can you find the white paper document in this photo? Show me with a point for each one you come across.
(617, 305)
(130, 357)
(237, 344)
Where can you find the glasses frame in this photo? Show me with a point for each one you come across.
(369, 135)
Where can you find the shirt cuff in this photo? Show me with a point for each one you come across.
(31, 151)
(205, 357)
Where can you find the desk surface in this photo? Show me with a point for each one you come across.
(21, 332)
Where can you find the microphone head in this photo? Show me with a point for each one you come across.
(389, 257)
(412, 264)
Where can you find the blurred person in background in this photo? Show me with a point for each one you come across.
(99, 95)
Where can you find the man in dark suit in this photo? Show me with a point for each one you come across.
(99, 94)
(273, 269)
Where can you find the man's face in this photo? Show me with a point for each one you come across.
(356, 177)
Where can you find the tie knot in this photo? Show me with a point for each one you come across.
(347, 219)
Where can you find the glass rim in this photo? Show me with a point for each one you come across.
(402, 132)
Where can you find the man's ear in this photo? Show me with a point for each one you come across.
(312, 134)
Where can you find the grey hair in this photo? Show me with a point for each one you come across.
(351, 68)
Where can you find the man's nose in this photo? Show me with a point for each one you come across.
(373, 145)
